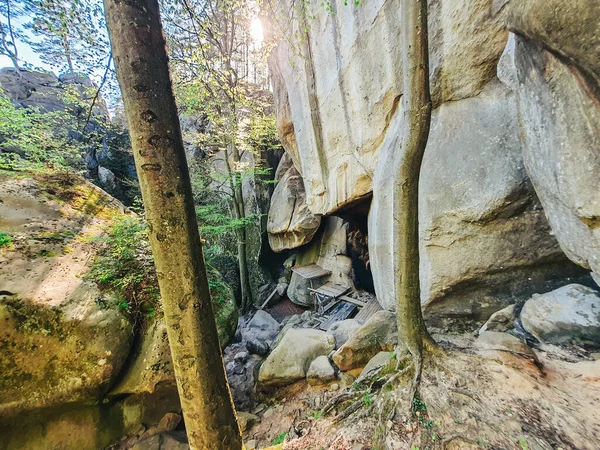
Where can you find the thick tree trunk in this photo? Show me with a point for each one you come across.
(141, 61)
(417, 118)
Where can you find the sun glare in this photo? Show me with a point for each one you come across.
(256, 31)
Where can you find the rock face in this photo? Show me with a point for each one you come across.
(329, 250)
(570, 314)
(290, 224)
(335, 99)
(291, 359)
(560, 124)
(62, 339)
(484, 237)
(380, 333)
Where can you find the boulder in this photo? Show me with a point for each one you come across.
(290, 359)
(500, 321)
(151, 365)
(290, 223)
(559, 115)
(484, 239)
(262, 326)
(343, 330)
(348, 72)
(320, 371)
(567, 315)
(379, 333)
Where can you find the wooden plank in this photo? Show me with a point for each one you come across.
(268, 298)
(311, 271)
(353, 300)
(366, 312)
(331, 290)
(340, 312)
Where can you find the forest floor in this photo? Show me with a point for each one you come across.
(474, 400)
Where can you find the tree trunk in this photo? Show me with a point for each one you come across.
(240, 234)
(142, 69)
(417, 118)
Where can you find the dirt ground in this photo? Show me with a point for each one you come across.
(494, 400)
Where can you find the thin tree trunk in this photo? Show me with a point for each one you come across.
(241, 235)
(142, 69)
(417, 118)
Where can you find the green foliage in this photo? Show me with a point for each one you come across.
(6, 240)
(35, 140)
(317, 415)
(69, 35)
(126, 265)
(279, 439)
(367, 399)
(523, 444)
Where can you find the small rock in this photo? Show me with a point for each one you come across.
(246, 420)
(500, 321)
(343, 330)
(257, 347)
(334, 387)
(251, 444)
(320, 371)
(168, 423)
(496, 341)
(380, 333)
(241, 357)
(306, 316)
(268, 413)
(375, 363)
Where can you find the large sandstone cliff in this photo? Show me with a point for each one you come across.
(509, 184)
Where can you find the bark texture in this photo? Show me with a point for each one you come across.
(142, 69)
(417, 119)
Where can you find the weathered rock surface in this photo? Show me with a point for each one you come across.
(493, 343)
(290, 223)
(290, 359)
(328, 249)
(375, 364)
(484, 237)
(500, 321)
(560, 127)
(62, 339)
(336, 98)
(569, 29)
(320, 371)
(342, 331)
(570, 314)
(380, 333)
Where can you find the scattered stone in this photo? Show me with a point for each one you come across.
(503, 342)
(380, 333)
(346, 379)
(500, 321)
(168, 423)
(246, 420)
(290, 359)
(343, 330)
(268, 413)
(334, 387)
(375, 363)
(320, 371)
(257, 347)
(251, 444)
(569, 315)
(241, 357)
(263, 325)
